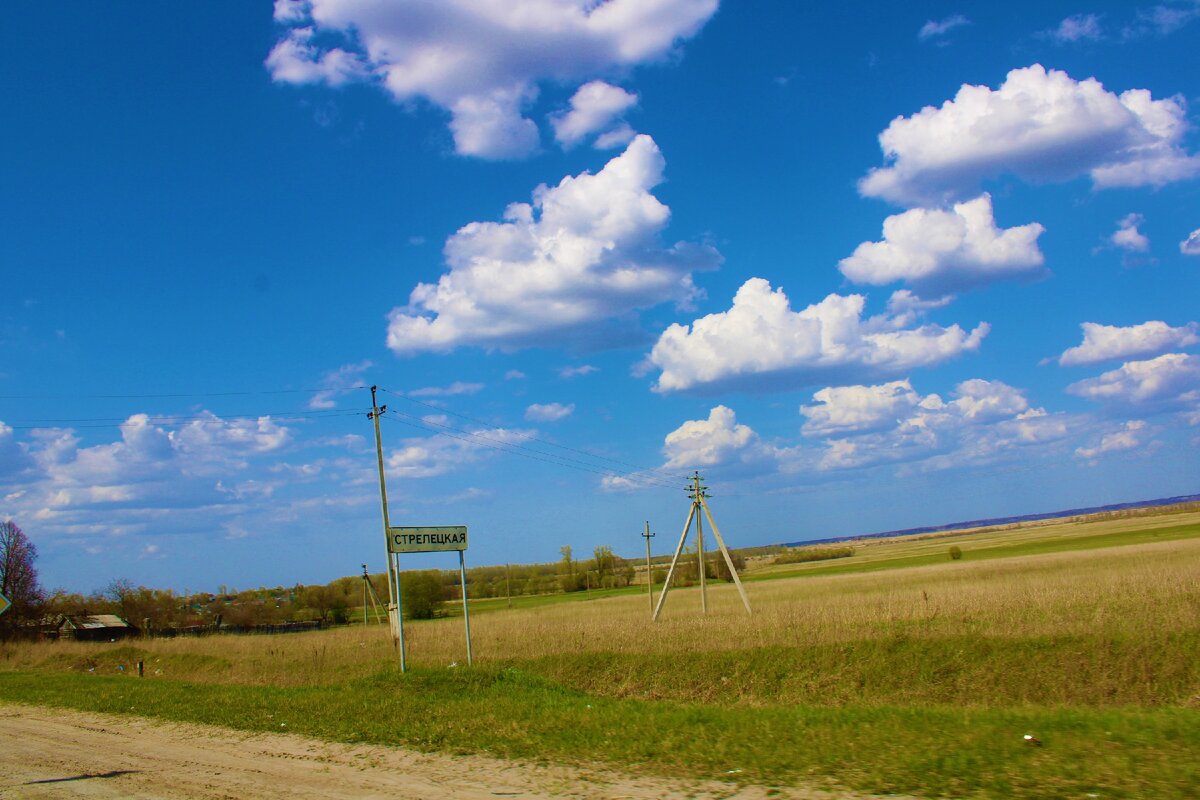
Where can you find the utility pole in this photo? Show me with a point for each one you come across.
(649, 576)
(698, 495)
(365, 579)
(393, 573)
(697, 489)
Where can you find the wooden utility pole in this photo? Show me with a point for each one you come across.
(393, 572)
(649, 575)
(698, 495)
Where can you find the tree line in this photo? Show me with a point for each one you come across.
(424, 592)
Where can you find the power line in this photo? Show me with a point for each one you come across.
(530, 437)
(518, 450)
(117, 422)
(483, 435)
(177, 395)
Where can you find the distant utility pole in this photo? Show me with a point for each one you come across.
(699, 494)
(374, 596)
(649, 577)
(392, 572)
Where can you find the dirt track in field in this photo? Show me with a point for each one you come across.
(55, 753)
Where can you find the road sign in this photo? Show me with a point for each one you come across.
(427, 540)
(4, 603)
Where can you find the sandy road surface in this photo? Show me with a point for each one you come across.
(54, 753)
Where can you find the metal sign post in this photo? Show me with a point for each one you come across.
(435, 540)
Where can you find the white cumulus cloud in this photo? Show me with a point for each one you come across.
(1078, 27)
(760, 341)
(584, 252)
(453, 390)
(1040, 125)
(339, 382)
(1128, 237)
(1111, 342)
(705, 442)
(1170, 379)
(1130, 437)
(946, 249)
(548, 412)
(1191, 245)
(595, 107)
(430, 456)
(848, 409)
(482, 62)
(935, 28)
(865, 426)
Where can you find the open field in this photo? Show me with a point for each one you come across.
(895, 670)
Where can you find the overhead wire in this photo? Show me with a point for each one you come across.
(475, 437)
(483, 435)
(179, 419)
(637, 468)
(177, 395)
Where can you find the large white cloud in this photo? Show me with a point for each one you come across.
(595, 107)
(865, 426)
(480, 60)
(1169, 380)
(861, 427)
(849, 409)
(760, 342)
(152, 473)
(707, 442)
(1040, 125)
(1110, 342)
(946, 249)
(583, 252)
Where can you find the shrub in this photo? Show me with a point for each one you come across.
(955, 552)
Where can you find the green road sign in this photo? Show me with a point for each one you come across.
(4, 603)
(427, 540)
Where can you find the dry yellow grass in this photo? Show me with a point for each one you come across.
(1146, 589)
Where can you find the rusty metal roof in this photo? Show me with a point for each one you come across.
(98, 621)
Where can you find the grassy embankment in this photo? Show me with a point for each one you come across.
(909, 678)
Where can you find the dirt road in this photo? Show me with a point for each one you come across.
(53, 753)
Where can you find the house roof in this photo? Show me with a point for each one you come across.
(97, 622)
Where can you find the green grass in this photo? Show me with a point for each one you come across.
(986, 551)
(917, 681)
(967, 671)
(931, 750)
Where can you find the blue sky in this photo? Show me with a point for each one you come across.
(864, 266)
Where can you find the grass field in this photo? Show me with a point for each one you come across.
(894, 670)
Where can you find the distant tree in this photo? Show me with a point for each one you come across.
(421, 594)
(606, 562)
(320, 600)
(18, 576)
(122, 594)
(739, 563)
(568, 579)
